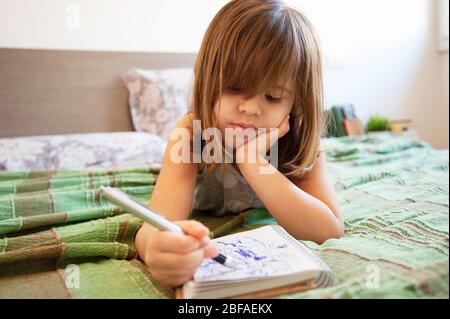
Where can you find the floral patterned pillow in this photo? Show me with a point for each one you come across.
(158, 98)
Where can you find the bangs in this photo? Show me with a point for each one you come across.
(254, 45)
(261, 54)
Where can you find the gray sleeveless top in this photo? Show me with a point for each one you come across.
(222, 192)
(226, 191)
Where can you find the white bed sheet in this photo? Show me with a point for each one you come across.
(94, 151)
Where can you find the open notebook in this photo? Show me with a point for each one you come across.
(267, 258)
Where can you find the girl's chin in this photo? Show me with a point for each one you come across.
(237, 136)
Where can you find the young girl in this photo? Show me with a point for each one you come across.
(259, 67)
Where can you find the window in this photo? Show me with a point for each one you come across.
(443, 25)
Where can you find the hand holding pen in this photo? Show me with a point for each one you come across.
(121, 199)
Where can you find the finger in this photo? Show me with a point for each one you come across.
(182, 263)
(245, 136)
(178, 262)
(210, 251)
(285, 121)
(274, 135)
(166, 241)
(179, 281)
(193, 228)
(284, 127)
(189, 272)
(281, 128)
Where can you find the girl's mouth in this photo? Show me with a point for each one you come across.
(242, 126)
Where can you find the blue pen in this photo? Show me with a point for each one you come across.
(121, 199)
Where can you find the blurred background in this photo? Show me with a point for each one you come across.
(385, 57)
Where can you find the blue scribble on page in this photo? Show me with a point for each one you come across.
(256, 256)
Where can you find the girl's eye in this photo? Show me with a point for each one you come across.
(273, 99)
(269, 97)
(234, 89)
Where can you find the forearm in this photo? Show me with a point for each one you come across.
(302, 215)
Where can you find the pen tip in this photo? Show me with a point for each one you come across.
(230, 262)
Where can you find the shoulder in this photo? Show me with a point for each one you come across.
(183, 128)
(178, 154)
(186, 121)
(318, 165)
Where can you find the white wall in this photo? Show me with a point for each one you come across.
(111, 25)
(380, 55)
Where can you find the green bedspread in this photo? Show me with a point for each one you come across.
(59, 239)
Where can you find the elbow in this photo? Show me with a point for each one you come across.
(339, 231)
(335, 232)
(333, 227)
(339, 228)
(336, 228)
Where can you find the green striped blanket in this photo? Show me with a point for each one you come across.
(59, 239)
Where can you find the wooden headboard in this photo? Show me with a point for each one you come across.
(56, 92)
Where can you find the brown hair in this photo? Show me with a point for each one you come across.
(253, 44)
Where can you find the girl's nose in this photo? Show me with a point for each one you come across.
(250, 106)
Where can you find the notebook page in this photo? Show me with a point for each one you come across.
(259, 253)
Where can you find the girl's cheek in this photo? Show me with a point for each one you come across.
(276, 119)
(216, 112)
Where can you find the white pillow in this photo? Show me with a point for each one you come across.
(158, 98)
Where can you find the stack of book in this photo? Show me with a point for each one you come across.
(342, 121)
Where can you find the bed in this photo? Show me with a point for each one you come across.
(59, 239)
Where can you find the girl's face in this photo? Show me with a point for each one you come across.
(264, 110)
